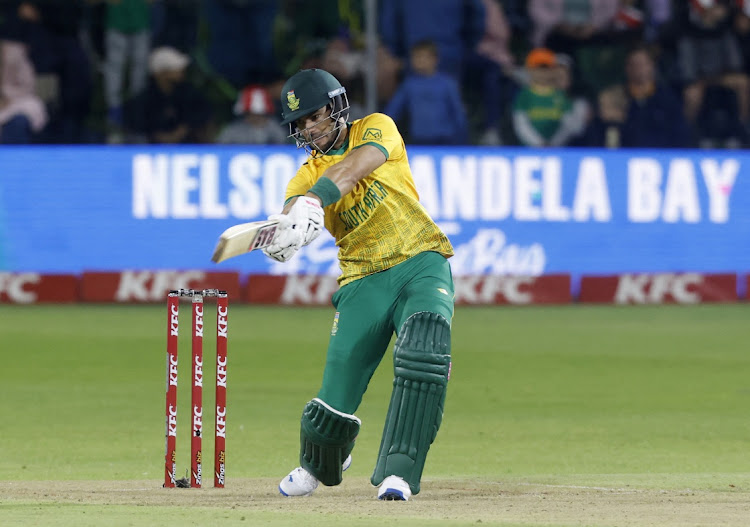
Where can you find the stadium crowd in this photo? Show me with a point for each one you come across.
(609, 73)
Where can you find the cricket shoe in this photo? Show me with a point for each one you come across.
(394, 488)
(300, 482)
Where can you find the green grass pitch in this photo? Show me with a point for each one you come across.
(648, 397)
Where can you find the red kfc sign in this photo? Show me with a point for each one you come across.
(34, 288)
(291, 290)
(659, 288)
(152, 286)
(516, 290)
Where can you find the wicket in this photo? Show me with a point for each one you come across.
(196, 442)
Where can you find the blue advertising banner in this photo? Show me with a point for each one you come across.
(519, 211)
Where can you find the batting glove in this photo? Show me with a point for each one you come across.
(307, 215)
(286, 241)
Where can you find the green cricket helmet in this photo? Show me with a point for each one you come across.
(306, 92)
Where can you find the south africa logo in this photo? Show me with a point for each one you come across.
(292, 100)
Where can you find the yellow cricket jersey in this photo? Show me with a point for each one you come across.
(380, 223)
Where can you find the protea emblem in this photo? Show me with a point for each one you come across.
(292, 100)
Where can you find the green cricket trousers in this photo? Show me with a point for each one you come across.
(369, 311)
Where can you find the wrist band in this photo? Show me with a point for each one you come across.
(326, 190)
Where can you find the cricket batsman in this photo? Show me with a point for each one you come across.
(395, 278)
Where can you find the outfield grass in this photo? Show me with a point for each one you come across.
(576, 396)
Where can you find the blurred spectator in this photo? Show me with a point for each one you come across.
(708, 54)
(456, 28)
(495, 42)
(596, 33)
(170, 110)
(127, 43)
(493, 66)
(326, 23)
(389, 72)
(539, 108)
(51, 30)
(718, 124)
(654, 117)
(330, 38)
(577, 118)
(429, 101)
(563, 24)
(657, 14)
(256, 123)
(240, 44)
(175, 24)
(22, 113)
(347, 65)
(606, 128)
(742, 30)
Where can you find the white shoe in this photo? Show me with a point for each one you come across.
(300, 482)
(394, 488)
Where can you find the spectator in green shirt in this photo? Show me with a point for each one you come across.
(540, 107)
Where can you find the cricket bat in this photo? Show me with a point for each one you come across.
(244, 238)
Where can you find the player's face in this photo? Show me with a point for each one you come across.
(317, 128)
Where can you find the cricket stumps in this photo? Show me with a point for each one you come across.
(196, 441)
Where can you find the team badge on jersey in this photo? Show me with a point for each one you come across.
(292, 100)
(372, 134)
(335, 328)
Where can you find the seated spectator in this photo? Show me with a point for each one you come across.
(654, 118)
(708, 52)
(256, 123)
(170, 110)
(51, 31)
(429, 101)
(22, 113)
(539, 108)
